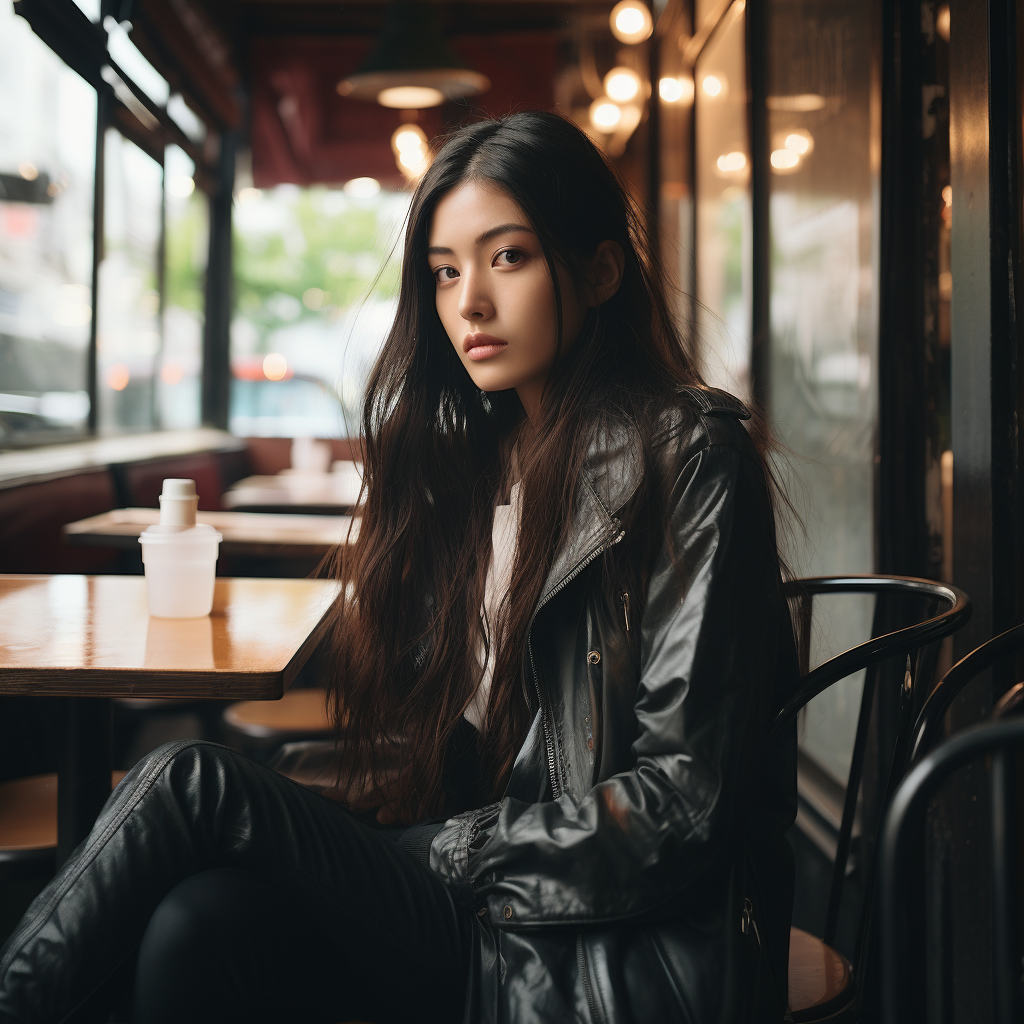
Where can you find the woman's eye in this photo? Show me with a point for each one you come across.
(514, 256)
(440, 274)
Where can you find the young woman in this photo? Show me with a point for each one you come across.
(554, 670)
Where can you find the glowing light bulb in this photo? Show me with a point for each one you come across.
(605, 115)
(412, 154)
(413, 162)
(784, 160)
(631, 21)
(800, 142)
(712, 86)
(730, 163)
(408, 137)
(676, 90)
(622, 84)
(410, 97)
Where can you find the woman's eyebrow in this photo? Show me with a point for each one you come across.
(501, 229)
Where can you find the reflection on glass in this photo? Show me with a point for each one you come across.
(310, 313)
(824, 285)
(47, 154)
(705, 11)
(128, 327)
(187, 230)
(723, 208)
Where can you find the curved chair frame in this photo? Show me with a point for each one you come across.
(909, 639)
(906, 811)
(952, 609)
(928, 727)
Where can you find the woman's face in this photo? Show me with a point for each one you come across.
(494, 292)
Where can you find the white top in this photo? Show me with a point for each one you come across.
(499, 574)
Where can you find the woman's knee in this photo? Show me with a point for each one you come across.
(182, 754)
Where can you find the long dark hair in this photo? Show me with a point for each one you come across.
(436, 461)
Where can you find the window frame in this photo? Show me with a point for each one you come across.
(82, 45)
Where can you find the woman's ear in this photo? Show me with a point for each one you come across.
(606, 268)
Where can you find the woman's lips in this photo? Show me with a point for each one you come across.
(482, 346)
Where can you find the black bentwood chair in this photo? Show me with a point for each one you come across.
(902, 1000)
(928, 732)
(822, 984)
(930, 722)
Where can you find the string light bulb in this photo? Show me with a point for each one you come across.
(799, 141)
(784, 160)
(712, 86)
(631, 21)
(622, 84)
(605, 115)
(676, 90)
(732, 163)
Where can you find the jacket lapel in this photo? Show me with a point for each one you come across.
(610, 477)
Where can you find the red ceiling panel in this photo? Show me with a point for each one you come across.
(302, 131)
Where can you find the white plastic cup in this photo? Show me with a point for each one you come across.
(179, 556)
(181, 567)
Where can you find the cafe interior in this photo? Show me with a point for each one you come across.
(201, 211)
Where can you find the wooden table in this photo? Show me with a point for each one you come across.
(244, 533)
(85, 639)
(295, 491)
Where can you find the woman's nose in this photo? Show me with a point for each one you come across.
(474, 302)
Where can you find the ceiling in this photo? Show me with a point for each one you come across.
(241, 19)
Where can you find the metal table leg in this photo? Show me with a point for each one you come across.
(83, 771)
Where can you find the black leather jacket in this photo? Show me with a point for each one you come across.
(656, 886)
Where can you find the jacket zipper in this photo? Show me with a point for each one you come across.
(588, 987)
(624, 597)
(556, 789)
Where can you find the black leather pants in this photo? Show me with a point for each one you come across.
(372, 930)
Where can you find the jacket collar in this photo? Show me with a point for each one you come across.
(611, 474)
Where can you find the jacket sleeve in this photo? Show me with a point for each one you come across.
(707, 662)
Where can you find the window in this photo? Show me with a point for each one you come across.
(315, 295)
(724, 244)
(824, 294)
(128, 321)
(102, 261)
(187, 230)
(47, 169)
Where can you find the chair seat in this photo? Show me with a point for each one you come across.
(297, 712)
(28, 814)
(818, 978)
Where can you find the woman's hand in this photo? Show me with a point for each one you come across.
(362, 797)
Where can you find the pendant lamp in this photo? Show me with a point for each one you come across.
(412, 66)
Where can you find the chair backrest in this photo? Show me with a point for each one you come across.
(900, 868)
(32, 514)
(947, 609)
(140, 483)
(928, 727)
